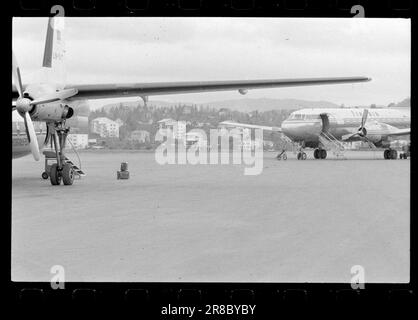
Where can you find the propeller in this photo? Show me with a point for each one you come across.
(362, 132)
(24, 105)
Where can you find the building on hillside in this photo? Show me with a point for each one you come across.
(244, 136)
(105, 127)
(77, 141)
(246, 139)
(141, 136)
(119, 122)
(178, 128)
(92, 142)
(163, 123)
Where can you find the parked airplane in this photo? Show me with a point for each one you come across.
(53, 102)
(317, 128)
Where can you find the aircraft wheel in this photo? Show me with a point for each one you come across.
(45, 175)
(299, 156)
(323, 154)
(393, 154)
(284, 156)
(316, 153)
(67, 174)
(55, 176)
(303, 156)
(386, 154)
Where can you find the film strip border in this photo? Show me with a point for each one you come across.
(285, 8)
(269, 298)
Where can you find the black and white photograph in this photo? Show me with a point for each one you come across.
(185, 149)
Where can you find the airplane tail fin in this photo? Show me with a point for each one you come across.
(53, 64)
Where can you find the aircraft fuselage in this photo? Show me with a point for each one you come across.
(306, 125)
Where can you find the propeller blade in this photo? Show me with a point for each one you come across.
(33, 141)
(370, 143)
(16, 75)
(348, 136)
(364, 118)
(56, 96)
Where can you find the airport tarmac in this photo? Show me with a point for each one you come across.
(298, 221)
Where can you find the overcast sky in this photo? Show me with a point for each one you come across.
(112, 50)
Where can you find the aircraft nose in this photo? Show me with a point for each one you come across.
(286, 128)
(290, 129)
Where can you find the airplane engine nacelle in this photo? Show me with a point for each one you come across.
(374, 138)
(52, 112)
(382, 144)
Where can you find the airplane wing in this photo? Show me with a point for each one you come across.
(399, 132)
(102, 91)
(99, 91)
(251, 126)
(384, 129)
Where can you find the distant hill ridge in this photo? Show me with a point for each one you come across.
(265, 104)
(250, 104)
(244, 105)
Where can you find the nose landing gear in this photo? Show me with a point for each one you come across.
(66, 174)
(63, 169)
(282, 155)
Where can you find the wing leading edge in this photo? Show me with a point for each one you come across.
(100, 91)
(400, 132)
(250, 126)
